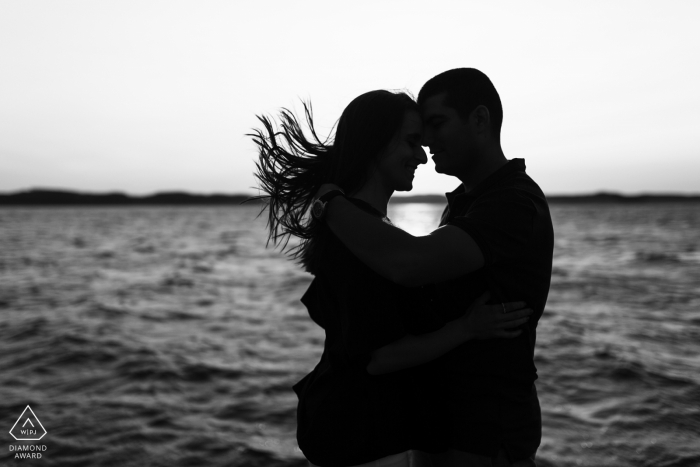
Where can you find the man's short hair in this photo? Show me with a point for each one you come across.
(466, 89)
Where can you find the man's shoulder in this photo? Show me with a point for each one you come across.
(517, 182)
(516, 188)
(515, 202)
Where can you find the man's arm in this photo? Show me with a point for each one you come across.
(480, 322)
(444, 254)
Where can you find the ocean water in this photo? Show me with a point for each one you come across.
(171, 336)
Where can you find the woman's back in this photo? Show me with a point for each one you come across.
(347, 416)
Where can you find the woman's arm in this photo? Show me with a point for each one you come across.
(479, 322)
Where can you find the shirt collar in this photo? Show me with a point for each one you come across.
(513, 165)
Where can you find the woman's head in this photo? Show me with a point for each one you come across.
(378, 134)
(370, 127)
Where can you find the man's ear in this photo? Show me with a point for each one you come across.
(482, 118)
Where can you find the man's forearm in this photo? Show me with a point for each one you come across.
(410, 351)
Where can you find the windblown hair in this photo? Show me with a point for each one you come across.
(292, 165)
(466, 89)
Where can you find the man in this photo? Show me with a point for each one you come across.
(496, 233)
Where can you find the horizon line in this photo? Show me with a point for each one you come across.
(600, 192)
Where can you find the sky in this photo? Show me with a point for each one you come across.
(149, 96)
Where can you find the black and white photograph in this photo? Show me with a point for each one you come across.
(349, 234)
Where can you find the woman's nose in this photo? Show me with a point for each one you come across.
(420, 155)
(427, 137)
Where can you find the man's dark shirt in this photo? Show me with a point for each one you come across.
(490, 391)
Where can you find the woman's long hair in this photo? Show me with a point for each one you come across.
(292, 166)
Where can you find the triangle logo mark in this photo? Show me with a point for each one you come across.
(28, 427)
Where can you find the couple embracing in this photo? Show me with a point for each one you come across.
(428, 357)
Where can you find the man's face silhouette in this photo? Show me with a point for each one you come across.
(451, 139)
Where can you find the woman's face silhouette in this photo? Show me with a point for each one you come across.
(396, 167)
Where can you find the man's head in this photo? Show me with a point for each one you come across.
(462, 115)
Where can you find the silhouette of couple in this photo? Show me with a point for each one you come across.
(428, 357)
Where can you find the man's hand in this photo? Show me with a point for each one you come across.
(490, 321)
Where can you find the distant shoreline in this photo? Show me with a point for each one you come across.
(71, 198)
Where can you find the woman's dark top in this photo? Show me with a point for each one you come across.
(345, 415)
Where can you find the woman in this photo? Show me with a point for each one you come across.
(371, 398)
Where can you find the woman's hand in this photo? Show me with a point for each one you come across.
(490, 321)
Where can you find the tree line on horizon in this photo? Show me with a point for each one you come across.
(65, 197)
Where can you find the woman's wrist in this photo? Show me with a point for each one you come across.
(319, 205)
(325, 188)
(461, 329)
(465, 329)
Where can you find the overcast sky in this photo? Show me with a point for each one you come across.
(146, 96)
